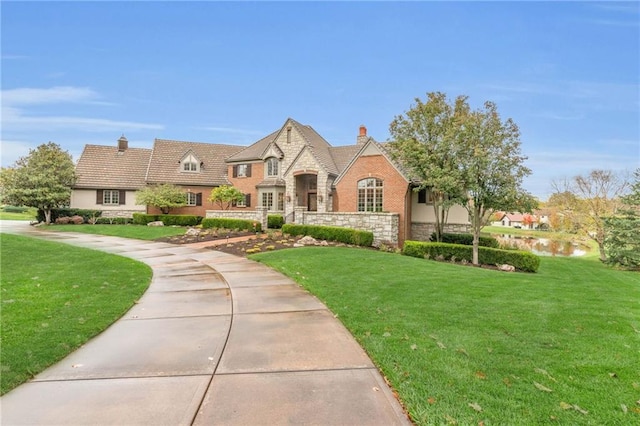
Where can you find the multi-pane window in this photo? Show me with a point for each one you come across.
(272, 166)
(192, 199)
(110, 197)
(267, 200)
(281, 201)
(370, 195)
(190, 163)
(242, 170)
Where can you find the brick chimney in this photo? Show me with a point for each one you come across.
(123, 144)
(362, 136)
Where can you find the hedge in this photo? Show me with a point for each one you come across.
(167, 219)
(113, 221)
(521, 260)
(467, 240)
(331, 233)
(15, 209)
(56, 213)
(226, 223)
(275, 221)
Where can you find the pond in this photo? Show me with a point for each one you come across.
(543, 246)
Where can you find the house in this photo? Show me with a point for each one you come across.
(294, 172)
(108, 178)
(516, 220)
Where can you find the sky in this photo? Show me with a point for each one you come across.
(567, 73)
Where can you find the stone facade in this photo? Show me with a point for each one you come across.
(383, 225)
(258, 215)
(119, 213)
(422, 231)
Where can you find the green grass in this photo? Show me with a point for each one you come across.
(30, 214)
(140, 232)
(524, 349)
(54, 298)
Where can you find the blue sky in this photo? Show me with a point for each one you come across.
(79, 73)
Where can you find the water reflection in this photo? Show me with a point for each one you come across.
(542, 246)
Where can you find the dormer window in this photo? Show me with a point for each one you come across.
(190, 164)
(272, 167)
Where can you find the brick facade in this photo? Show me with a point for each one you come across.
(396, 193)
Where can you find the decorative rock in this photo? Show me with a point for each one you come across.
(156, 223)
(307, 241)
(507, 268)
(324, 243)
(192, 232)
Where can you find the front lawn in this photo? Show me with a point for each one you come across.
(470, 346)
(139, 232)
(55, 297)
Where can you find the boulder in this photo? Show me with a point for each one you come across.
(192, 232)
(507, 268)
(307, 241)
(156, 223)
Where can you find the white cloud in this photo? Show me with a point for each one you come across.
(13, 150)
(58, 94)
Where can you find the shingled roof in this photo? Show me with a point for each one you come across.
(255, 150)
(164, 165)
(104, 167)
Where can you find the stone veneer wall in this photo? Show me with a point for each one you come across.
(120, 213)
(422, 231)
(383, 225)
(259, 215)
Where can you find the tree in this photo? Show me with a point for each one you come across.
(43, 179)
(491, 167)
(225, 196)
(595, 196)
(423, 141)
(622, 231)
(165, 197)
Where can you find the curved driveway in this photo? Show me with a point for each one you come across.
(216, 339)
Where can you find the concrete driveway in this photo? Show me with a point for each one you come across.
(216, 339)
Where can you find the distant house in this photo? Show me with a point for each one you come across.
(292, 171)
(517, 220)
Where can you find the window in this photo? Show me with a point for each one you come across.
(242, 170)
(427, 196)
(242, 203)
(191, 199)
(272, 166)
(280, 200)
(267, 200)
(370, 195)
(190, 163)
(110, 197)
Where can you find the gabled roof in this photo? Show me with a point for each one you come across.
(164, 165)
(342, 155)
(382, 149)
(105, 167)
(253, 151)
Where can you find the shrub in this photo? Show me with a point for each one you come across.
(275, 221)
(467, 240)
(14, 209)
(143, 219)
(521, 260)
(77, 219)
(227, 223)
(331, 233)
(167, 219)
(87, 215)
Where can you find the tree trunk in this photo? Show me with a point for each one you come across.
(438, 224)
(477, 219)
(47, 216)
(603, 254)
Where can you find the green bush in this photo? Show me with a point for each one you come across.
(225, 223)
(87, 215)
(331, 233)
(521, 260)
(15, 209)
(467, 240)
(167, 219)
(275, 221)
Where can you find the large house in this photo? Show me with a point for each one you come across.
(293, 171)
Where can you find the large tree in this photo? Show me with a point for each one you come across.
(595, 197)
(165, 197)
(423, 140)
(491, 167)
(42, 179)
(225, 196)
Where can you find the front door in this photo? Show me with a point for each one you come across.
(312, 202)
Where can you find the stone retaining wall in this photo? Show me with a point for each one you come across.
(120, 213)
(383, 225)
(258, 215)
(421, 231)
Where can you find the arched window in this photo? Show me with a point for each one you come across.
(272, 166)
(370, 195)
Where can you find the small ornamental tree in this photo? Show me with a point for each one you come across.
(225, 196)
(43, 179)
(165, 197)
